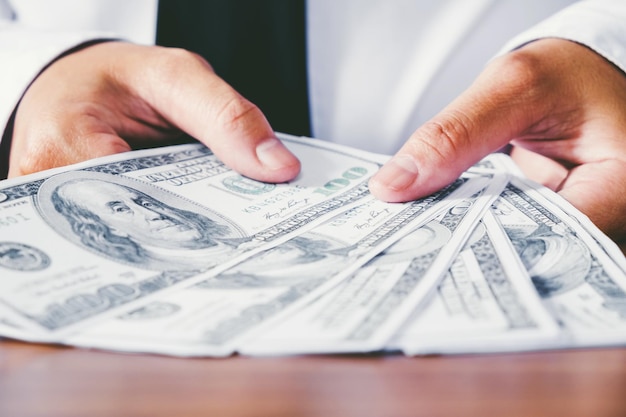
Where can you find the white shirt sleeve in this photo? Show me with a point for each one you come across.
(597, 24)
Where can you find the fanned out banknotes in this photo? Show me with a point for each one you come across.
(168, 251)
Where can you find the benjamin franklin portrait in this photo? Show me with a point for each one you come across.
(134, 222)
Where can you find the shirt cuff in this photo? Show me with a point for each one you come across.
(597, 24)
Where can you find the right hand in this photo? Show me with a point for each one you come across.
(113, 96)
(563, 108)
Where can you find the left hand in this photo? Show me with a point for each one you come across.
(103, 98)
(562, 107)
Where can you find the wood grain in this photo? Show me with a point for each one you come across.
(38, 380)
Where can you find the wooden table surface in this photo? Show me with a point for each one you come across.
(39, 380)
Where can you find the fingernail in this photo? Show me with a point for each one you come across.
(273, 154)
(397, 174)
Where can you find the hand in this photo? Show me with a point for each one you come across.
(561, 106)
(112, 96)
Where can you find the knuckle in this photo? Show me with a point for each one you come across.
(445, 136)
(170, 63)
(525, 74)
(234, 113)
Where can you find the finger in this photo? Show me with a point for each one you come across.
(184, 89)
(506, 99)
(539, 168)
(594, 189)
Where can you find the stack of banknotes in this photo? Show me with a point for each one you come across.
(168, 251)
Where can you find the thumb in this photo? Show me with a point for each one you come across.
(183, 88)
(498, 107)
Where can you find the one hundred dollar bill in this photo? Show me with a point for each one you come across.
(89, 241)
(212, 317)
(365, 310)
(486, 303)
(85, 241)
(576, 270)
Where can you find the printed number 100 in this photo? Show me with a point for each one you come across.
(339, 184)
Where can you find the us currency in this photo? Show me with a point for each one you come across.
(485, 303)
(499, 162)
(212, 317)
(365, 310)
(83, 242)
(575, 268)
